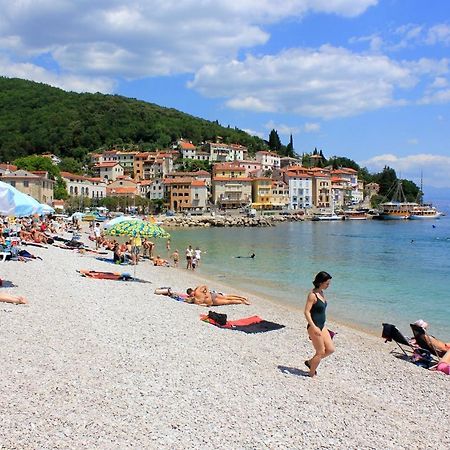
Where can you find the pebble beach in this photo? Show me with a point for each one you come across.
(101, 364)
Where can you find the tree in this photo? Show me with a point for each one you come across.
(274, 141)
(290, 148)
(70, 165)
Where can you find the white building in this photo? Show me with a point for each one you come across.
(269, 160)
(109, 170)
(300, 186)
(81, 186)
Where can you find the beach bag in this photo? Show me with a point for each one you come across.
(220, 319)
(422, 358)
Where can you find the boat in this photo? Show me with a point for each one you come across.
(397, 208)
(425, 211)
(326, 217)
(355, 214)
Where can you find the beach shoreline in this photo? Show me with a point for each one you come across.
(108, 364)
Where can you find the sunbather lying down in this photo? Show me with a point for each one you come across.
(105, 275)
(16, 299)
(202, 296)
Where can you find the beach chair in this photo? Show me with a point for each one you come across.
(421, 338)
(391, 333)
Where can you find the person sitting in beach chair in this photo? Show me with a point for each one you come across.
(202, 296)
(15, 299)
(410, 348)
(424, 340)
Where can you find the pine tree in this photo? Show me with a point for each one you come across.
(290, 148)
(274, 141)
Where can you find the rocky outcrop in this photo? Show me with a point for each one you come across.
(227, 221)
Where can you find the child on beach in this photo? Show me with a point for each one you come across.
(315, 315)
(175, 258)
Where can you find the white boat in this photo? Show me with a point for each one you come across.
(327, 217)
(424, 212)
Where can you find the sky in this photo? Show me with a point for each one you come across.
(365, 79)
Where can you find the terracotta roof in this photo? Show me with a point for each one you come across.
(186, 145)
(345, 170)
(198, 183)
(220, 178)
(178, 180)
(264, 152)
(10, 167)
(121, 190)
(73, 176)
(106, 164)
(299, 174)
(229, 166)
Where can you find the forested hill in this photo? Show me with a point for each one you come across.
(37, 118)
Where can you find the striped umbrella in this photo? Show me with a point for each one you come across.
(137, 228)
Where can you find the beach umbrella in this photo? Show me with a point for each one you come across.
(45, 209)
(137, 228)
(116, 220)
(16, 203)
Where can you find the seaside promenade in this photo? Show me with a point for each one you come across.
(109, 365)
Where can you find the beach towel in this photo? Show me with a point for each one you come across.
(110, 276)
(250, 325)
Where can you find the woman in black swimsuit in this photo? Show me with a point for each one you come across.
(315, 308)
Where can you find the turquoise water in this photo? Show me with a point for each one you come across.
(383, 271)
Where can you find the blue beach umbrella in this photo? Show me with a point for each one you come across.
(16, 203)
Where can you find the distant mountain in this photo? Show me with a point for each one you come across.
(37, 118)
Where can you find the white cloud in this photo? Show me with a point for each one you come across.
(260, 134)
(439, 34)
(435, 168)
(67, 82)
(311, 127)
(328, 82)
(281, 128)
(140, 38)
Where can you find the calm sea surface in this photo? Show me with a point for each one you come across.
(383, 271)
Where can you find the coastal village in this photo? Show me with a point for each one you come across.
(265, 182)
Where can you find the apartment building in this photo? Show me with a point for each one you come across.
(82, 186)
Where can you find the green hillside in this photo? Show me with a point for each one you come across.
(37, 118)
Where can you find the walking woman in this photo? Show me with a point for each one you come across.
(315, 313)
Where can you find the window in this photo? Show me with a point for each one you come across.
(12, 183)
(26, 183)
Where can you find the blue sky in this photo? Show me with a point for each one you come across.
(367, 79)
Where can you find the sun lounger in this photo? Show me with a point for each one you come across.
(410, 349)
(420, 336)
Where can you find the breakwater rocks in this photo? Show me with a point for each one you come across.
(228, 221)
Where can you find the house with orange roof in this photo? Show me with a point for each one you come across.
(83, 186)
(108, 170)
(321, 187)
(185, 194)
(280, 194)
(252, 167)
(152, 165)
(300, 186)
(125, 187)
(7, 168)
(355, 188)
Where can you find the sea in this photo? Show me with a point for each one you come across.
(383, 271)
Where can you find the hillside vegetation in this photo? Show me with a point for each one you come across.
(37, 118)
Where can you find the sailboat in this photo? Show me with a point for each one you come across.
(398, 208)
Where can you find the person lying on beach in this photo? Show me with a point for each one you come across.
(202, 296)
(433, 342)
(179, 296)
(15, 299)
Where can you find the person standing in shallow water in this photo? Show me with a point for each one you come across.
(315, 313)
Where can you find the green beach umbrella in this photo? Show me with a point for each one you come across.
(137, 228)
